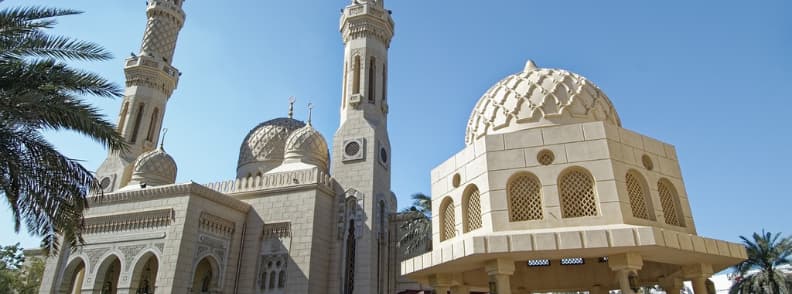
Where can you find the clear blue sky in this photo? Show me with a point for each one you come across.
(710, 77)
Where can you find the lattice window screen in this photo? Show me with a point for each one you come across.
(525, 198)
(637, 195)
(577, 194)
(447, 221)
(668, 197)
(473, 210)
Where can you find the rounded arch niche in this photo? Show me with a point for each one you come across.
(206, 275)
(107, 274)
(73, 276)
(144, 273)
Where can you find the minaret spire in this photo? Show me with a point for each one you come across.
(291, 106)
(150, 81)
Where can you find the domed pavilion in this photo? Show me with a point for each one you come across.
(552, 194)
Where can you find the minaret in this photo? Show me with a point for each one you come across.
(361, 148)
(150, 81)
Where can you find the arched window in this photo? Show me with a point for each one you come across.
(384, 82)
(349, 281)
(372, 76)
(153, 125)
(639, 198)
(356, 77)
(122, 117)
(447, 227)
(471, 208)
(576, 190)
(524, 192)
(344, 89)
(282, 279)
(138, 118)
(669, 199)
(272, 280)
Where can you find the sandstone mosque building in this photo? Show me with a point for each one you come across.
(550, 194)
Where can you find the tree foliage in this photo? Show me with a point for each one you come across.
(46, 190)
(16, 276)
(417, 230)
(761, 272)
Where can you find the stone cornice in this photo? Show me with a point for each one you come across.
(366, 21)
(312, 178)
(176, 190)
(129, 221)
(217, 225)
(147, 72)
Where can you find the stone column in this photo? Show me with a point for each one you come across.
(626, 267)
(698, 275)
(499, 271)
(460, 289)
(671, 285)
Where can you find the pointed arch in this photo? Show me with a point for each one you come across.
(73, 276)
(384, 82)
(152, 130)
(108, 273)
(669, 200)
(372, 79)
(447, 221)
(144, 273)
(138, 118)
(344, 86)
(471, 208)
(577, 193)
(206, 275)
(122, 117)
(638, 192)
(356, 75)
(524, 193)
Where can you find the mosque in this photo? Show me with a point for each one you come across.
(550, 194)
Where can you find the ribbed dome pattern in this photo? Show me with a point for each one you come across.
(538, 97)
(265, 144)
(308, 145)
(154, 168)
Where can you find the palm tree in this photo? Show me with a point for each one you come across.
(45, 189)
(417, 227)
(760, 273)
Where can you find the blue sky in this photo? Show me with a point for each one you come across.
(710, 77)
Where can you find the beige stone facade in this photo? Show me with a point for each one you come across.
(552, 194)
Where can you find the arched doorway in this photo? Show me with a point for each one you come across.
(206, 276)
(73, 277)
(144, 275)
(107, 275)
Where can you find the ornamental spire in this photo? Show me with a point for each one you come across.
(291, 106)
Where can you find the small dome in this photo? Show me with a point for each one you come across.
(154, 168)
(538, 97)
(307, 145)
(262, 149)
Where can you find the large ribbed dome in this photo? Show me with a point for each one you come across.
(309, 146)
(538, 97)
(262, 148)
(154, 168)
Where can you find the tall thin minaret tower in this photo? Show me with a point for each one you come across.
(150, 81)
(361, 148)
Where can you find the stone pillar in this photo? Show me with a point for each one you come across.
(597, 289)
(626, 267)
(499, 271)
(671, 285)
(460, 289)
(698, 275)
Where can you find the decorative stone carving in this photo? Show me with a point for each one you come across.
(216, 225)
(266, 142)
(155, 168)
(129, 254)
(93, 256)
(130, 221)
(306, 144)
(161, 247)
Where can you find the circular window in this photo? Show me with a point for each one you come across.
(545, 157)
(352, 149)
(104, 183)
(384, 155)
(456, 180)
(647, 162)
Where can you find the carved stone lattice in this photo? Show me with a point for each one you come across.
(668, 198)
(525, 198)
(277, 230)
(160, 35)
(637, 196)
(473, 210)
(144, 220)
(545, 157)
(448, 230)
(577, 194)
